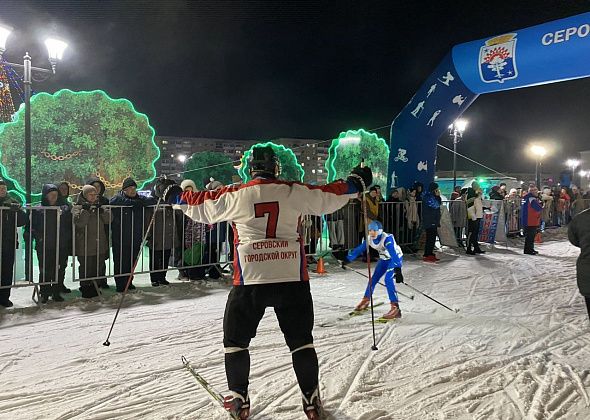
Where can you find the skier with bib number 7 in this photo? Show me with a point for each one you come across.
(269, 265)
(389, 266)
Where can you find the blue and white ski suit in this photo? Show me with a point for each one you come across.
(390, 257)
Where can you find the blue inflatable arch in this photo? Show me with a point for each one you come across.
(547, 53)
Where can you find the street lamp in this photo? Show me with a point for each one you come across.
(573, 163)
(55, 50)
(456, 130)
(539, 152)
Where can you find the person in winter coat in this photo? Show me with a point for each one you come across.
(579, 235)
(336, 229)
(161, 240)
(393, 219)
(458, 211)
(91, 220)
(269, 269)
(547, 200)
(530, 214)
(193, 237)
(431, 220)
(11, 217)
(388, 267)
(130, 213)
(412, 214)
(51, 228)
(578, 203)
(103, 201)
(474, 216)
(63, 199)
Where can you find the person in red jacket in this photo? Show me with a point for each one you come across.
(531, 218)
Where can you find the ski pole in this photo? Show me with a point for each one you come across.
(364, 275)
(366, 219)
(432, 299)
(143, 241)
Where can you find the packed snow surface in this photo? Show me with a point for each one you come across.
(518, 347)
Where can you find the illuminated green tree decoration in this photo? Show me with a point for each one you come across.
(215, 164)
(291, 170)
(350, 148)
(76, 135)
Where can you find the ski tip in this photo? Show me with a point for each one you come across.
(184, 360)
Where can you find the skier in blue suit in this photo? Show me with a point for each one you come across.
(389, 265)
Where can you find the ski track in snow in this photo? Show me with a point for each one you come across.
(518, 348)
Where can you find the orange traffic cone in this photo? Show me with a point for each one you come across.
(538, 238)
(320, 269)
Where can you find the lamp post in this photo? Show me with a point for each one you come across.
(539, 152)
(55, 50)
(456, 130)
(573, 164)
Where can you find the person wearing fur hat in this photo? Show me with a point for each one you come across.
(130, 213)
(51, 228)
(389, 267)
(11, 217)
(431, 220)
(91, 221)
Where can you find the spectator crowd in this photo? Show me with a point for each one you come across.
(93, 229)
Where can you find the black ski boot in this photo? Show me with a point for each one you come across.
(237, 406)
(312, 406)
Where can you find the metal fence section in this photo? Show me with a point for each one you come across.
(42, 245)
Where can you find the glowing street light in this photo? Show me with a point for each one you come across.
(573, 164)
(55, 50)
(539, 152)
(181, 158)
(456, 130)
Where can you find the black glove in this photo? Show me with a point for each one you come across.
(399, 277)
(340, 255)
(365, 174)
(86, 206)
(15, 206)
(167, 190)
(97, 204)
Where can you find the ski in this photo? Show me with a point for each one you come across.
(348, 316)
(216, 395)
(382, 320)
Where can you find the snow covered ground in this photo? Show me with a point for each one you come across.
(518, 348)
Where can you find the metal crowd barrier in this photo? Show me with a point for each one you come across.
(46, 245)
(40, 243)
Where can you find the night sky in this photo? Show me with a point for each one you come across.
(261, 69)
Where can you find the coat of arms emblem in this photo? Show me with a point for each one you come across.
(497, 59)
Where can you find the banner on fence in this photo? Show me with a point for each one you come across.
(489, 224)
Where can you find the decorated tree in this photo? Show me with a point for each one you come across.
(350, 148)
(291, 170)
(204, 165)
(76, 135)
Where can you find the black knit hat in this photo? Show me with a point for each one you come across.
(128, 182)
(2, 182)
(433, 187)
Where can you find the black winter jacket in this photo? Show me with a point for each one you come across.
(579, 235)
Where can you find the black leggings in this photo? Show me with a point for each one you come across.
(587, 298)
(293, 306)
